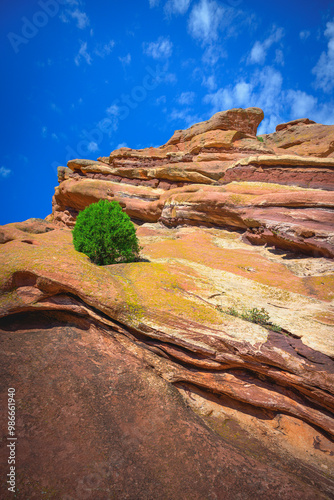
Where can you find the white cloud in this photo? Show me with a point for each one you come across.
(92, 146)
(264, 90)
(54, 136)
(105, 49)
(185, 117)
(259, 51)
(63, 17)
(126, 60)
(161, 100)
(307, 106)
(186, 98)
(303, 35)
(154, 3)
(324, 69)
(121, 145)
(81, 18)
(243, 93)
(279, 59)
(212, 54)
(302, 104)
(205, 19)
(268, 125)
(165, 76)
(324, 113)
(83, 54)
(209, 82)
(161, 49)
(4, 172)
(176, 7)
(268, 84)
(238, 95)
(44, 132)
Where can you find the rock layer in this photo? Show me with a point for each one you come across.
(304, 138)
(109, 346)
(178, 183)
(145, 380)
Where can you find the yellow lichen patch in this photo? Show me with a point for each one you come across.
(56, 260)
(199, 247)
(165, 287)
(239, 199)
(258, 188)
(124, 291)
(326, 318)
(320, 286)
(7, 300)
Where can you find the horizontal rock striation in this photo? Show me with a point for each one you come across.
(119, 336)
(148, 380)
(190, 180)
(284, 169)
(304, 138)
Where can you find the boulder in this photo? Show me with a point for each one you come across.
(243, 120)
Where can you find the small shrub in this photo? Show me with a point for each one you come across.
(232, 311)
(106, 234)
(255, 315)
(259, 138)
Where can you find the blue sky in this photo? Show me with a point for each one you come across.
(81, 78)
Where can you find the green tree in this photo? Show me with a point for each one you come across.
(106, 234)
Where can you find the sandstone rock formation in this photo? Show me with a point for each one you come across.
(101, 354)
(139, 381)
(304, 137)
(219, 173)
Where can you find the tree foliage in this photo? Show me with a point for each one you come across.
(106, 234)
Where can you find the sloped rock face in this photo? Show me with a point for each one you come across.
(189, 180)
(304, 138)
(144, 380)
(139, 385)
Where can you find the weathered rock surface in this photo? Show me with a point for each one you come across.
(242, 120)
(284, 169)
(104, 424)
(141, 380)
(304, 138)
(100, 356)
(181, 181)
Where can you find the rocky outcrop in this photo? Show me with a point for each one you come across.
(212, 173)
(303, 137)
(300, 121)
(146, 380)
(290, 170)
(128, 369)
(243, 120)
